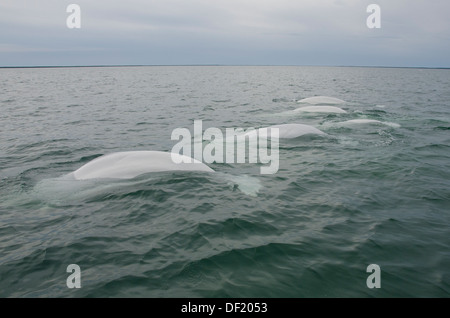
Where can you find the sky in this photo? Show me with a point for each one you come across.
(413, 33)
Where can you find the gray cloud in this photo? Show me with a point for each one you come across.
(326, 32)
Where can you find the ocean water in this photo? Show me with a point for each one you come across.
(367, 193)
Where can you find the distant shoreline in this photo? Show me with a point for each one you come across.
(222, 65)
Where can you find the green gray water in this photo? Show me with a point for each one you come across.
(368, 194)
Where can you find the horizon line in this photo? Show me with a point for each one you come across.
(233, 65)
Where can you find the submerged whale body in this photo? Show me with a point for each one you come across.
(127, 165)
(324, 100)
(369, 121)
(288, 131)
(362, 121)
(102, 175)
(320, 109)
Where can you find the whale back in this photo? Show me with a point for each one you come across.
(322, 100)
(320, 109)
(126, 165)
(288, 131)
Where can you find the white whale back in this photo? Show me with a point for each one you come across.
(126, 165)
(288, 131)
(323, 100)
(320, 109)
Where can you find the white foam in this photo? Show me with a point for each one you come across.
(246, 184)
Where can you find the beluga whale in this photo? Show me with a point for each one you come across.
(129, 169)
(321, 100)
(288, 131)
(320, 109)
(130, 164)
(320, 104)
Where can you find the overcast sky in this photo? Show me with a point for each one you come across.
(268, 32)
